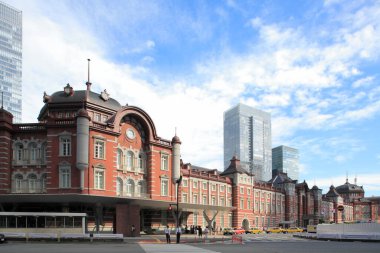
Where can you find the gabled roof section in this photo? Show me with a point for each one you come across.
(332, 192)
(235, 167)
(281, 178)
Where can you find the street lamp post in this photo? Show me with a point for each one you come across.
(178, 182)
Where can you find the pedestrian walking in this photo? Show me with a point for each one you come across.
(206, 232)
(133, 230)
(178, 233)
(167, 234)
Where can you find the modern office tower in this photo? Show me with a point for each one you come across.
(11, 60)
(286, 159)
(247, 134)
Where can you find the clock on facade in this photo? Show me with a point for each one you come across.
(131, 134)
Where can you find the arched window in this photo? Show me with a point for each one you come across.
(43, 153)
(19, 148)
(130, 187)
(33, 153)
(141, 162)
(119, 186)
(119, 159)
(129, 160)
(32, 183)
(141, 189)
(19, 183)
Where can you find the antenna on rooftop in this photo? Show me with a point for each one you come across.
(88, 83)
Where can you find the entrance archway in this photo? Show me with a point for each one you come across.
(245, 224)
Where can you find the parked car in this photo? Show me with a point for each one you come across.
(2, 238)
(228, 231)
(238, 231)
(275, 230)
(254, 231)
(293, 230)
(311, 228)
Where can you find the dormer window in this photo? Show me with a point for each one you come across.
(68, 90)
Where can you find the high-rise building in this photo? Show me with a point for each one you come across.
(11, 59)
(247, 134)
(286, 159)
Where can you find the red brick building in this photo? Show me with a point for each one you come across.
(89, 154)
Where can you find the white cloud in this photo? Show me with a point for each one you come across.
(293, 69)
(363, 82)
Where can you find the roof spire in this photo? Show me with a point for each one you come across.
(88, 83)
(2, 99)
(346, 177)
(356, 179)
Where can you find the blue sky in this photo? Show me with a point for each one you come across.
(314, 65)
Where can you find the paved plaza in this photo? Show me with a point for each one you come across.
(251, 244)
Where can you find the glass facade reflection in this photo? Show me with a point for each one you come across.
(247, 133)
(286, 159)
(11, 59)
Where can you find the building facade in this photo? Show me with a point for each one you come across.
(88, 154)
(11, 59)
(285, 159)
(247, 134)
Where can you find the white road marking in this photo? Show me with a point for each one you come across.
(173, 248)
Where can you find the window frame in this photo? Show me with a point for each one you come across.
(99, 149)
(64, 176)
(164, 186)
(65, 146)
(99, 178)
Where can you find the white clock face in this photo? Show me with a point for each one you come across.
(131, 134)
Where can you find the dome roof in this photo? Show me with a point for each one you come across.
(349, 188)
(176, 140)
(79, 96)
(82, 113)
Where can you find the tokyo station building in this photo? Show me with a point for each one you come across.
(89, 154)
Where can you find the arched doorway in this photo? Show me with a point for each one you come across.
(245, 224)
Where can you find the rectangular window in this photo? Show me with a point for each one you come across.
(222, 202)
(185, 182)
(249, 191)
(241, 190)
(164, 162)
(222, 188)
(213, 201)
(99, 179)
(65, 146)
(222, 220)
(242, 203)
(204, 185)
(229, 202)
(195, 199)
(230, 220)
(184, 198)
(164, 187)
(195, 184)
(64, 176)
(204, 200)
(229, 189)
(213, 187)
(97, 117)
(99, 149)
(248, 204)
(105, 118)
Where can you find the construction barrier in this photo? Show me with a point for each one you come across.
(237, 238)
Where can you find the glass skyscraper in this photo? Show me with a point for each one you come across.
(286, 159)
(247, 134)
(11, 59)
